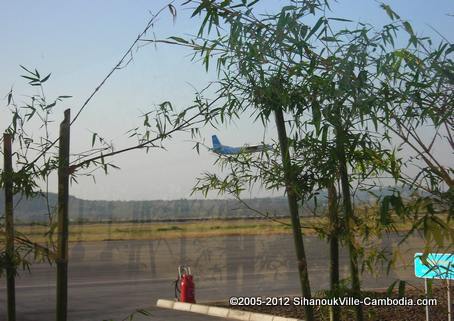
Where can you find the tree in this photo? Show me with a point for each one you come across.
(335, 85)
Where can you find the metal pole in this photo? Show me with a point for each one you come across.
(9, 227)
(448, 281)
(62, 245)
(427, 303)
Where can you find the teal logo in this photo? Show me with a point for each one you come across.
(434, 266)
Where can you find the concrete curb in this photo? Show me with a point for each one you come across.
(220, 312)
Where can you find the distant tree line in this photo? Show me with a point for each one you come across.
(34, 210)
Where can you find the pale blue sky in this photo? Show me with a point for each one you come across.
(79, 41)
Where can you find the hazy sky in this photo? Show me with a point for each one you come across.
(80, 41)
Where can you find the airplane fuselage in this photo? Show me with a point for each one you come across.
(220, 149)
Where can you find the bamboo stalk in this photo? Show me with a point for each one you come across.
(348, 214)
(334, 249)
(293, 205)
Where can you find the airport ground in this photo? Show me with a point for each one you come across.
(110, 279)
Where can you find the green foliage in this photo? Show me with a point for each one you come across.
(31, 173)
(353, 89)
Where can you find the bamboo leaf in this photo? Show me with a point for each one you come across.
(340, 19)
(408, 28)
(27, 70)
(401, 288)
(93, 139)
(144, 312)
(329, 39)
(391, 14)
(178, 39)
(317, 25)
(10, 97)
(390, 289)
(45, 78)
(172, 10)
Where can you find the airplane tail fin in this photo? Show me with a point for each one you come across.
(216, 142)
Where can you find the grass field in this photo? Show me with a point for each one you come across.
(167, 230)
(158, 230)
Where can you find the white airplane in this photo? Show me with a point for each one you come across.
(218, 148)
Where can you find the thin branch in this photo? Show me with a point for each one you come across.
(101, 84)
(265, 215)
(184, 125)
(436, 168)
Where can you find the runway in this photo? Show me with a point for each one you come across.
(108, 280)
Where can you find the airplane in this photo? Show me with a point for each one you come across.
(220, 149)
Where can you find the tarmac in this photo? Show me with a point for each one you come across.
(109, 280)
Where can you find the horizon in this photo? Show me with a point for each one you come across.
(79, 46)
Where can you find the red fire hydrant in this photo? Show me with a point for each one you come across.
(184, 285)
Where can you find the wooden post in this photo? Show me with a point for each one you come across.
(9, 227)
(62, 245)
(290, 182)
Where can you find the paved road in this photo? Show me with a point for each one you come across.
(108, 280)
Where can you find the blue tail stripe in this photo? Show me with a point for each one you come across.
(216, 142)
